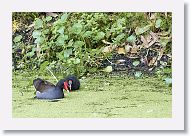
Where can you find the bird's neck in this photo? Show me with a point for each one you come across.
(65, 85)
(60, 84)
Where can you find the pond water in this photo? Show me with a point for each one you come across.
(108, 97)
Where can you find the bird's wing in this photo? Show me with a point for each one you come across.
(42, 85)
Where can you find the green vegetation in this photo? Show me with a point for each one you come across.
(123, 61)
(113, 97)
(72, 43)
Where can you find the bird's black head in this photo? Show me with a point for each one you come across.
(73, 82)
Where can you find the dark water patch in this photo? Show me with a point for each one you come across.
(120, 98)
(33, 98)
(94, 103)
(132, 106)
(111, 114)
(53, 100)
(121, 107)
(167, 100)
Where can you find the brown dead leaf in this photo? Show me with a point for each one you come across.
(149, 40)
(153, 61)
(145, 42)
(121, 50)
(154, 38)
(134, 50)
(109, 49)
(127, 48)
(160, 53)
(152, 16)
(51, 14)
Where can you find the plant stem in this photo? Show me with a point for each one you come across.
(52, 73)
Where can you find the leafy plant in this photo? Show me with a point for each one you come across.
(71, 43)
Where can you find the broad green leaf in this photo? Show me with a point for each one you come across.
(30, 54)
(61, 39)
(77, 28)
(131, 38)
(158, 23)
(39, 40)
(138, 74)
(78, 44)
(163, 63)
(38, 23)
(36, 33)
(77, 61)
(67, 53)
(119, 38)
(64, 17)
(136, 63)
(168, 81)
(164, 41)
(45, 31)
(87, 34)
(61, 30)
(17, 38)
(48, 18)
(100, 35)
(60, 55)
(141, 30)
(108, 69)
(120, 22)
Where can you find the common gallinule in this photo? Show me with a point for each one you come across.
(47, 90)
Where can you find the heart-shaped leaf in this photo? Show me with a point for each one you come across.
(87, 34)
(77, 61)
(131, 38)
(67, 53)
(64, 17)
(48, 18)
(136, 63)
(61, 30)
(36, 33)
(61, 39)
(78, 44)
(17, 38)
(39, 40)
(100, 35)
(138, 74)
(164, 41)
(108, 69)
(168, 81)
(158, 23)
(38, 23)
(77, 28)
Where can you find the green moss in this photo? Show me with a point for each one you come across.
(113, 97)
